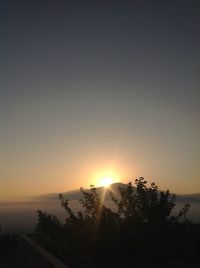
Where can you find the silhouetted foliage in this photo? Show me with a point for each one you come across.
(7, 243)
(143, 225)
(51, 234)
(147, 204)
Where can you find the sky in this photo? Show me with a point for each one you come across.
(95, 89)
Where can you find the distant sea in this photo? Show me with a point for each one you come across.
(21, 216)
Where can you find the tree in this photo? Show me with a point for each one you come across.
(96, 235)
(145, 204)
(50, 234)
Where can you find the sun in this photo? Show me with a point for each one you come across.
(106, 181)
(105, 177)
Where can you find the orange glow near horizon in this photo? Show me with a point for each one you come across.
(105, 178)
(106, 181)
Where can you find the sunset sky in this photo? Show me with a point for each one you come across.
(99, 88)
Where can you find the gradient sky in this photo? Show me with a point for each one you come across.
(97, 87)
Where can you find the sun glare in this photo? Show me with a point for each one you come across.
(106, 181)
(105, 177)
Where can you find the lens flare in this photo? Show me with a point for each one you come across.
(106, 181)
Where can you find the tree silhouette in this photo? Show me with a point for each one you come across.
(97, 236)
(145, 204)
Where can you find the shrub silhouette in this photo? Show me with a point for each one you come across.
(100, 237)
(147, 204)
